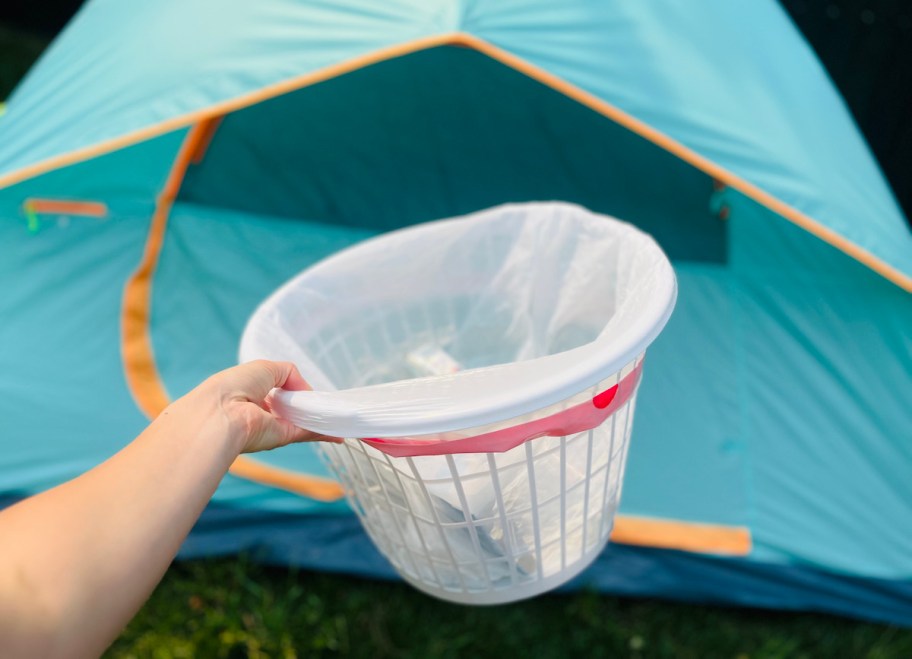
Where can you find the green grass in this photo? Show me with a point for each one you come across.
(235, 608)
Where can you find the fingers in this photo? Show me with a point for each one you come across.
(280, 432)
(292, 434)
(294, 381)
(246, 388)
(279, 374)
(257, 378)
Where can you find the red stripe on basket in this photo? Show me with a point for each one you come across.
(570, 421)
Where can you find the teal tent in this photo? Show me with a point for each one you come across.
(168, 164)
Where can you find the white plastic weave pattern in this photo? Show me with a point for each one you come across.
(493, 527)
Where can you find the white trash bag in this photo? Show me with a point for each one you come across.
(483, 371)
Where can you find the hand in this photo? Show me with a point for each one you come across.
(241, 395)
(77, 561)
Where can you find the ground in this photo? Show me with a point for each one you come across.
(232, 607)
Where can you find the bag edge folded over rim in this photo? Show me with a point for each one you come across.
(352, 412)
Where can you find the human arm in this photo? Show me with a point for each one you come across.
(78, 561)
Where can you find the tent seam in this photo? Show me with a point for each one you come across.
(143, 378)
(557, 83)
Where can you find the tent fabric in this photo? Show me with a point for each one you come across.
(772, 403)
(718, 52)
(336, 543)
(490, 151)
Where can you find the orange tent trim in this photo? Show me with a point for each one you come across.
(142, 375)
(143, 379)
(312, 487)
(682, 536)
(466, 40)
(65, 207)
(205, 139)
(148, 390)
(223, 107)
(692, 157)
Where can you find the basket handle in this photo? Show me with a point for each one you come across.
(579, 418)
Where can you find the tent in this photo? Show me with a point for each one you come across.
(167, 164)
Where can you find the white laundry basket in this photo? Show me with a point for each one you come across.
(483, 371)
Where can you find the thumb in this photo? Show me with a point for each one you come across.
(283, 432)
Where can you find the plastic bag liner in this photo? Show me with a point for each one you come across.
(440, 351)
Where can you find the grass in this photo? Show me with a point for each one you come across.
(232, 608)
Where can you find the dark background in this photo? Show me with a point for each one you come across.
(866, 45)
